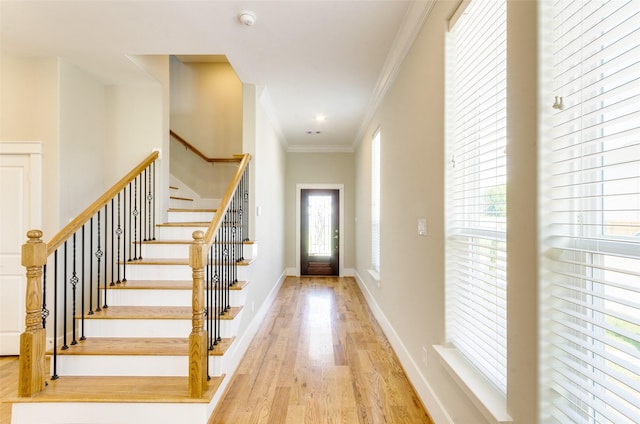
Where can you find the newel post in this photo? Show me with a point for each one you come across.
(198, 338)
(31, 374)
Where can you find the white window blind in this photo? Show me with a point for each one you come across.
(476, 188)
(591, 161)
(375, 202)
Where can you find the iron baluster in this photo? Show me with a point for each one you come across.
(55, 316)
(149, 199)
(98, 258)
(90, 267)
(135, 218)
(153, 176)
(140, 221)
(74, 283)
(45, 311)
(106, 257)
(118, 234)
(64, 301)
(130, 225)
(112, 256)
(124, 234)
(82, 286)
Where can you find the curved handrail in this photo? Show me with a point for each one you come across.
(198, 153)
(83, 217)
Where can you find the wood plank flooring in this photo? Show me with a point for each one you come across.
(320, 357)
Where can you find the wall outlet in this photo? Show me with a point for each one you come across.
(422, 227)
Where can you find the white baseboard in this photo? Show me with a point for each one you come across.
(426, 394)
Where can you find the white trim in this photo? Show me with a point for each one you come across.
(411, 25)
(426, 394)
(340, 188)
(20, 148)
(482, 394)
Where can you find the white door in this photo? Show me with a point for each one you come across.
(16, 218)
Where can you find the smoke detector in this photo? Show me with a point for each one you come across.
(247, 17)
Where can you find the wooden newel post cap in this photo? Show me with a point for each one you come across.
(198, 236)
(34, 251)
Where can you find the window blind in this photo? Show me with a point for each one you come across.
(476, 188)
(591, 160)
(375, 202)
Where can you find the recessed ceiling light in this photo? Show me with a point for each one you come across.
(320, 118)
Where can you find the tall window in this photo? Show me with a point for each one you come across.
(591, 260)
(476, 188)
(375, 202)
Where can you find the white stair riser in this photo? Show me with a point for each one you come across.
(144, 297)
(163, 250)
(181, 250)
(190, 216)
(130, 365)
(150, 327)
(177, 233)
(170, 272)
(112, 413)
(159, 272)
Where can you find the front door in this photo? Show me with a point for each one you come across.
(319, 231)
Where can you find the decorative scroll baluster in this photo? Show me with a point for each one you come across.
(98, 255)
(55, 316)
(74, 283)
(112, 249)
(106, 257)
(64, 301)
(124, 234)
(134, 212)
(118, 235)
(149, 200)
(141, 220)
(82, 287)
(153, 178)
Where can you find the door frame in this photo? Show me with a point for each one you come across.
(340, 188)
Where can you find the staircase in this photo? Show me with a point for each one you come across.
(134, 366)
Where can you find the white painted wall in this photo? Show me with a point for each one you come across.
(410, 298)
(82, 140)
(30, 111)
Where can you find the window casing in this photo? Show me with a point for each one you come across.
(476, 280)
(590, 167)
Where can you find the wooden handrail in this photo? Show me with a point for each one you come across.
(81, 219)
(191, 147)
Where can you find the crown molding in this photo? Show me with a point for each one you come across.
(411, 25)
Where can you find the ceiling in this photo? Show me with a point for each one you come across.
(334, 58)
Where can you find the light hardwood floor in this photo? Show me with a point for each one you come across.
(319, 357)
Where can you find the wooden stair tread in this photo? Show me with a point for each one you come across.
(153, 312)
(139, 346)
(165, 285)
(122, 390)
(181, 198)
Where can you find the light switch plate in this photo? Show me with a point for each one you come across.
(422, 227)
